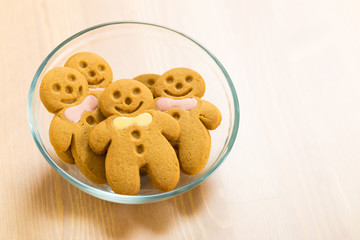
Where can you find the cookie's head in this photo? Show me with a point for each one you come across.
(125, 97)
(179, 83)
(94, 68)
(148, 80)
(62, 87)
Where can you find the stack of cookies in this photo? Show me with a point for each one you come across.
(113, 129)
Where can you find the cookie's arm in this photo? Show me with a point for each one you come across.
(170, 128)
(210, 115)
(60, 134)
(99, 138)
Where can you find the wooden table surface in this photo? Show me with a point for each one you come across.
(294, 172)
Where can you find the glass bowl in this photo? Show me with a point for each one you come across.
(131, 49)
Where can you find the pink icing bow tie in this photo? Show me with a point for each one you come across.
(73, 114)
(187, 104)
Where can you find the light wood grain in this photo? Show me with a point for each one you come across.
(294, 170)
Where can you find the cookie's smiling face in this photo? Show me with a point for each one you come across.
(93, 67)
(125, 97)
(179, 83)
(61, 88)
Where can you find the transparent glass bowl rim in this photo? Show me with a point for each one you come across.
(117, 197)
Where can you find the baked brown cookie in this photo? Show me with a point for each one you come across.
(62, 88)
(179, 83)
(178, 92)
(148, 80)
(135, 138)
(93, 67)
(65, 156)
(125, 97)
(66, 134)
(73, 121)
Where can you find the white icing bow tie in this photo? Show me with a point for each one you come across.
(143, 119)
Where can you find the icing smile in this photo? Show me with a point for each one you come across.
(97, 82)
(178, 94)
(73, 100)
(122, 111)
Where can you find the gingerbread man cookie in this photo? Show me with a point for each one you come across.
(135, 138)
(148, 80)
(64, 91)
(178, 93)
(94, 68)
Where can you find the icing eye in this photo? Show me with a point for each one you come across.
(179, 86)
(189, 79)
(136, 91)
(169, 79)
(91, 73)
(56, 87)
(68, 89)
(151, 82)
(116, 94)
(101, 68)
(71, 77)
(128, 101)
(83, 64)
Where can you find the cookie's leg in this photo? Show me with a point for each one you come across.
(122, 173)
(66, 156)
(89, 163)
(193, 149)
(163, 167)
